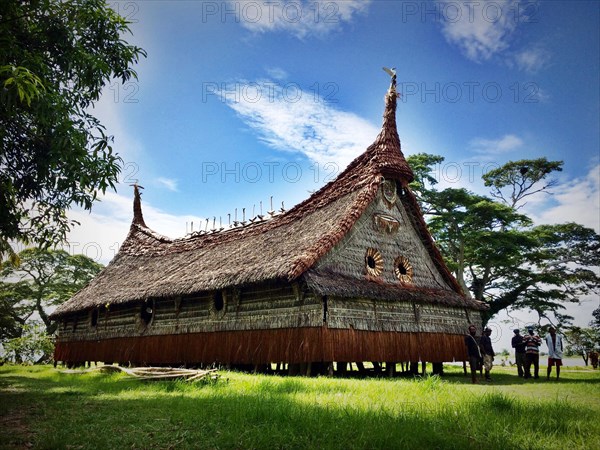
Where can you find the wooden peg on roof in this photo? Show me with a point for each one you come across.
(271, 212)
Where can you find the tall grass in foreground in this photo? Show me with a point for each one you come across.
(43, 408)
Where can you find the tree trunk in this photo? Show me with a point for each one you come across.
(585, 357)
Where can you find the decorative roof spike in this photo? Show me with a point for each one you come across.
(138, 217)
(385, 154)
(392, 73)
(271, 212)
(260, 215)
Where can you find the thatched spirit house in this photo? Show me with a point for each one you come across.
(349, 275)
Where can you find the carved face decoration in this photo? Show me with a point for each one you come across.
(389, 192)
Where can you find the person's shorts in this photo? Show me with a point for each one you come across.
(488, 362)
(554, 362)
(474, 362)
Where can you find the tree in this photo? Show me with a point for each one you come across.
(43, 280)
(496, 253)
(516, 180)
(55, 58)
(34, 344)
(581, 341)
(595, 323)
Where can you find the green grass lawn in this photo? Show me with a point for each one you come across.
(40, 407)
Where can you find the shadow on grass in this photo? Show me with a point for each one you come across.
(504, 379)
(71, 411)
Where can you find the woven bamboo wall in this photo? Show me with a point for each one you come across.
(377, 315)
(292, 345)
(348, 256)
(267, 306)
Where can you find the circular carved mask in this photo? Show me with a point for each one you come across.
(374, 262)
(403, 269)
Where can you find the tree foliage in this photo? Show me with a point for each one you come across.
(55, 58)
(517, 180)
(581, 341)
(595, 323)
(33, 344)
(496, 253)
(43, 280)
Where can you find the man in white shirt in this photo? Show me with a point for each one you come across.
(555, 350)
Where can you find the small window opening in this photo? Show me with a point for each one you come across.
(218, 301)
(147, 313)
(94, 317)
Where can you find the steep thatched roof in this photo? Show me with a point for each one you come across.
(284, 247)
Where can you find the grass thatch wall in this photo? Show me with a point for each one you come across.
(292, 345)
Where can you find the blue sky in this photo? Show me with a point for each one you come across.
(239, 102)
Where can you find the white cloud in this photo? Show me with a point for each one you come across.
(531, 60)
(494, 147)
(169, 183)
(277, 72)
(301, 18)
(289, 119)
(479, 29)
(102, 231)
(484, 30)
(577, 200)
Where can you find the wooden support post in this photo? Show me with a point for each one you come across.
(390, 368)
(330, 369)
(414, 368)
(293, 369)
(361, 367)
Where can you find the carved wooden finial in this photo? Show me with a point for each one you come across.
(138, 217)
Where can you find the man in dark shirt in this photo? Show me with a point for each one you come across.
(487, 352)
(473, 352)
(519, 346)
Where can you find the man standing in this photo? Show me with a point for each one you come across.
(532, 353)
(555, 351)
(519, 346)
(487, 352)
(473, 352)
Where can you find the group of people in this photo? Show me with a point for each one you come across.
(527, 352)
